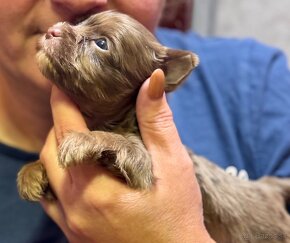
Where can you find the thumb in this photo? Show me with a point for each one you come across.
(154, 115)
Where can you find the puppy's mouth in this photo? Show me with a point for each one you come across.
(51, 37)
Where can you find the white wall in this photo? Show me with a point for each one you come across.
(265, 20)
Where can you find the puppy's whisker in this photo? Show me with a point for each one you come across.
(83, 39)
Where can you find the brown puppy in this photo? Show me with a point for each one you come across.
(101, 64)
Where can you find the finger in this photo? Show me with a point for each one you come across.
(158, 130)
(54, 210)
(67, 118)
(65, 181)
(156, 84)
(59, 178)
(154, 115)
(66, 115)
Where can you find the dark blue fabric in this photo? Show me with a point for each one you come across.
(21, 221)
(234, 109)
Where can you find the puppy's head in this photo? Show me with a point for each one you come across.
(101, 62)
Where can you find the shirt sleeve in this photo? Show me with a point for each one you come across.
(270, 111)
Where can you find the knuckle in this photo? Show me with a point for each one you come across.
(161, 121)
(92, 197)
(62, 132)
(99, 201)
(44, 154)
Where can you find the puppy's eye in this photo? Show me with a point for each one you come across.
(102, 43)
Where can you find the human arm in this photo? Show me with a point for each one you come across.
(94, 206)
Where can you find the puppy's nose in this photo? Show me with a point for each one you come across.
(79, 7)
(54, 31)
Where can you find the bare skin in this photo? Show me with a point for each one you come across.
(93, 197)
(116, 145)
(21, 26)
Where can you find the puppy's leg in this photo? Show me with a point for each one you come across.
(124, 155)
(32, 182)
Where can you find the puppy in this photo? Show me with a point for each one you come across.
(100, 64)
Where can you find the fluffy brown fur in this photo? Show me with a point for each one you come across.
(104, 82)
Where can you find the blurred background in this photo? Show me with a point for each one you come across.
(265, 20)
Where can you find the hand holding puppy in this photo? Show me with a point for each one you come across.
(93, 206)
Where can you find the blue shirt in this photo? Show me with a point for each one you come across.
(234, 109)
(21, 221)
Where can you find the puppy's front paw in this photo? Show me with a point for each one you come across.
(32, 181)
(78, 148)
(126, 157)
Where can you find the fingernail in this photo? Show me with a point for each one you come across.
(156, 84)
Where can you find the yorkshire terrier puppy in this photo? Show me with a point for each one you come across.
(100, 64)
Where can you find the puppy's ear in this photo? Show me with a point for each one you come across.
(177, 66)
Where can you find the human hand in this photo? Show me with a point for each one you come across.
(94, 206)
